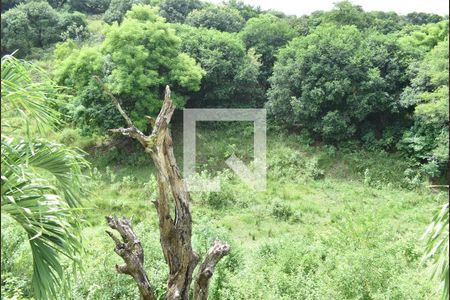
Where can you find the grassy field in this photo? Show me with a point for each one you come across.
(332, 224)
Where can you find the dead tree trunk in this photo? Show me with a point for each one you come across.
(132, 253)
(214, 254)
(176, 230)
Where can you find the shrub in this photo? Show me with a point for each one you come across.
(281, 211)
(312, 169)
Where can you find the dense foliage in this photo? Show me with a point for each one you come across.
(135, 61)
(358, 135)
(118, 8)
(245, 10)
(266, 34)
(176, 11)
(221, 18)
(36, 24)
(231, 72)
(428, 94)
(90, 6)
(339, 83)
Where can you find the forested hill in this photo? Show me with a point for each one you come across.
(375, 78)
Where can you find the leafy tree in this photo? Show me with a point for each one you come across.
(231, 78)
(176, 11)
(424, 38)
(386, 22)
(135, 61)
(338, 84)
(345, 13)
(90, 6)
(35, 24)
(266, 34)
(245, 10)
(222, 18)
(276, 13)
(43, 21)
(72, 26)
(118, 8)
(40, 180)
(75, 67)
(16, 32)
(421, 18)
(428, 96)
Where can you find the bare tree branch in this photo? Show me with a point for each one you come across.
(115, 101)
(213, 256)
(133, 255)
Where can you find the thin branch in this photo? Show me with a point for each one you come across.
(115, 101)
(132, 131)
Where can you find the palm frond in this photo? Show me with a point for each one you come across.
(40, 180)
(24, 96)
(35, 201)
(63, 164)
(437, 247)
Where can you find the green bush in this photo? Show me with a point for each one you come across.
(281, 211)
(225, 198)
(313, 170)
(224, 58)
(37, 24)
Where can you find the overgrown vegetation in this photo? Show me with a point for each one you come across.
(358, 120)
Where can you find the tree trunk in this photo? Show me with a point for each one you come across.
(176, 231)
(215, 253)
(132, 253)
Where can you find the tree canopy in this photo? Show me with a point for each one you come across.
(336, 81)
(428, 96)
(222, 18)
(135, 61)
(36, 24)
(231, 73)
(176, 11)
(266, 34)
